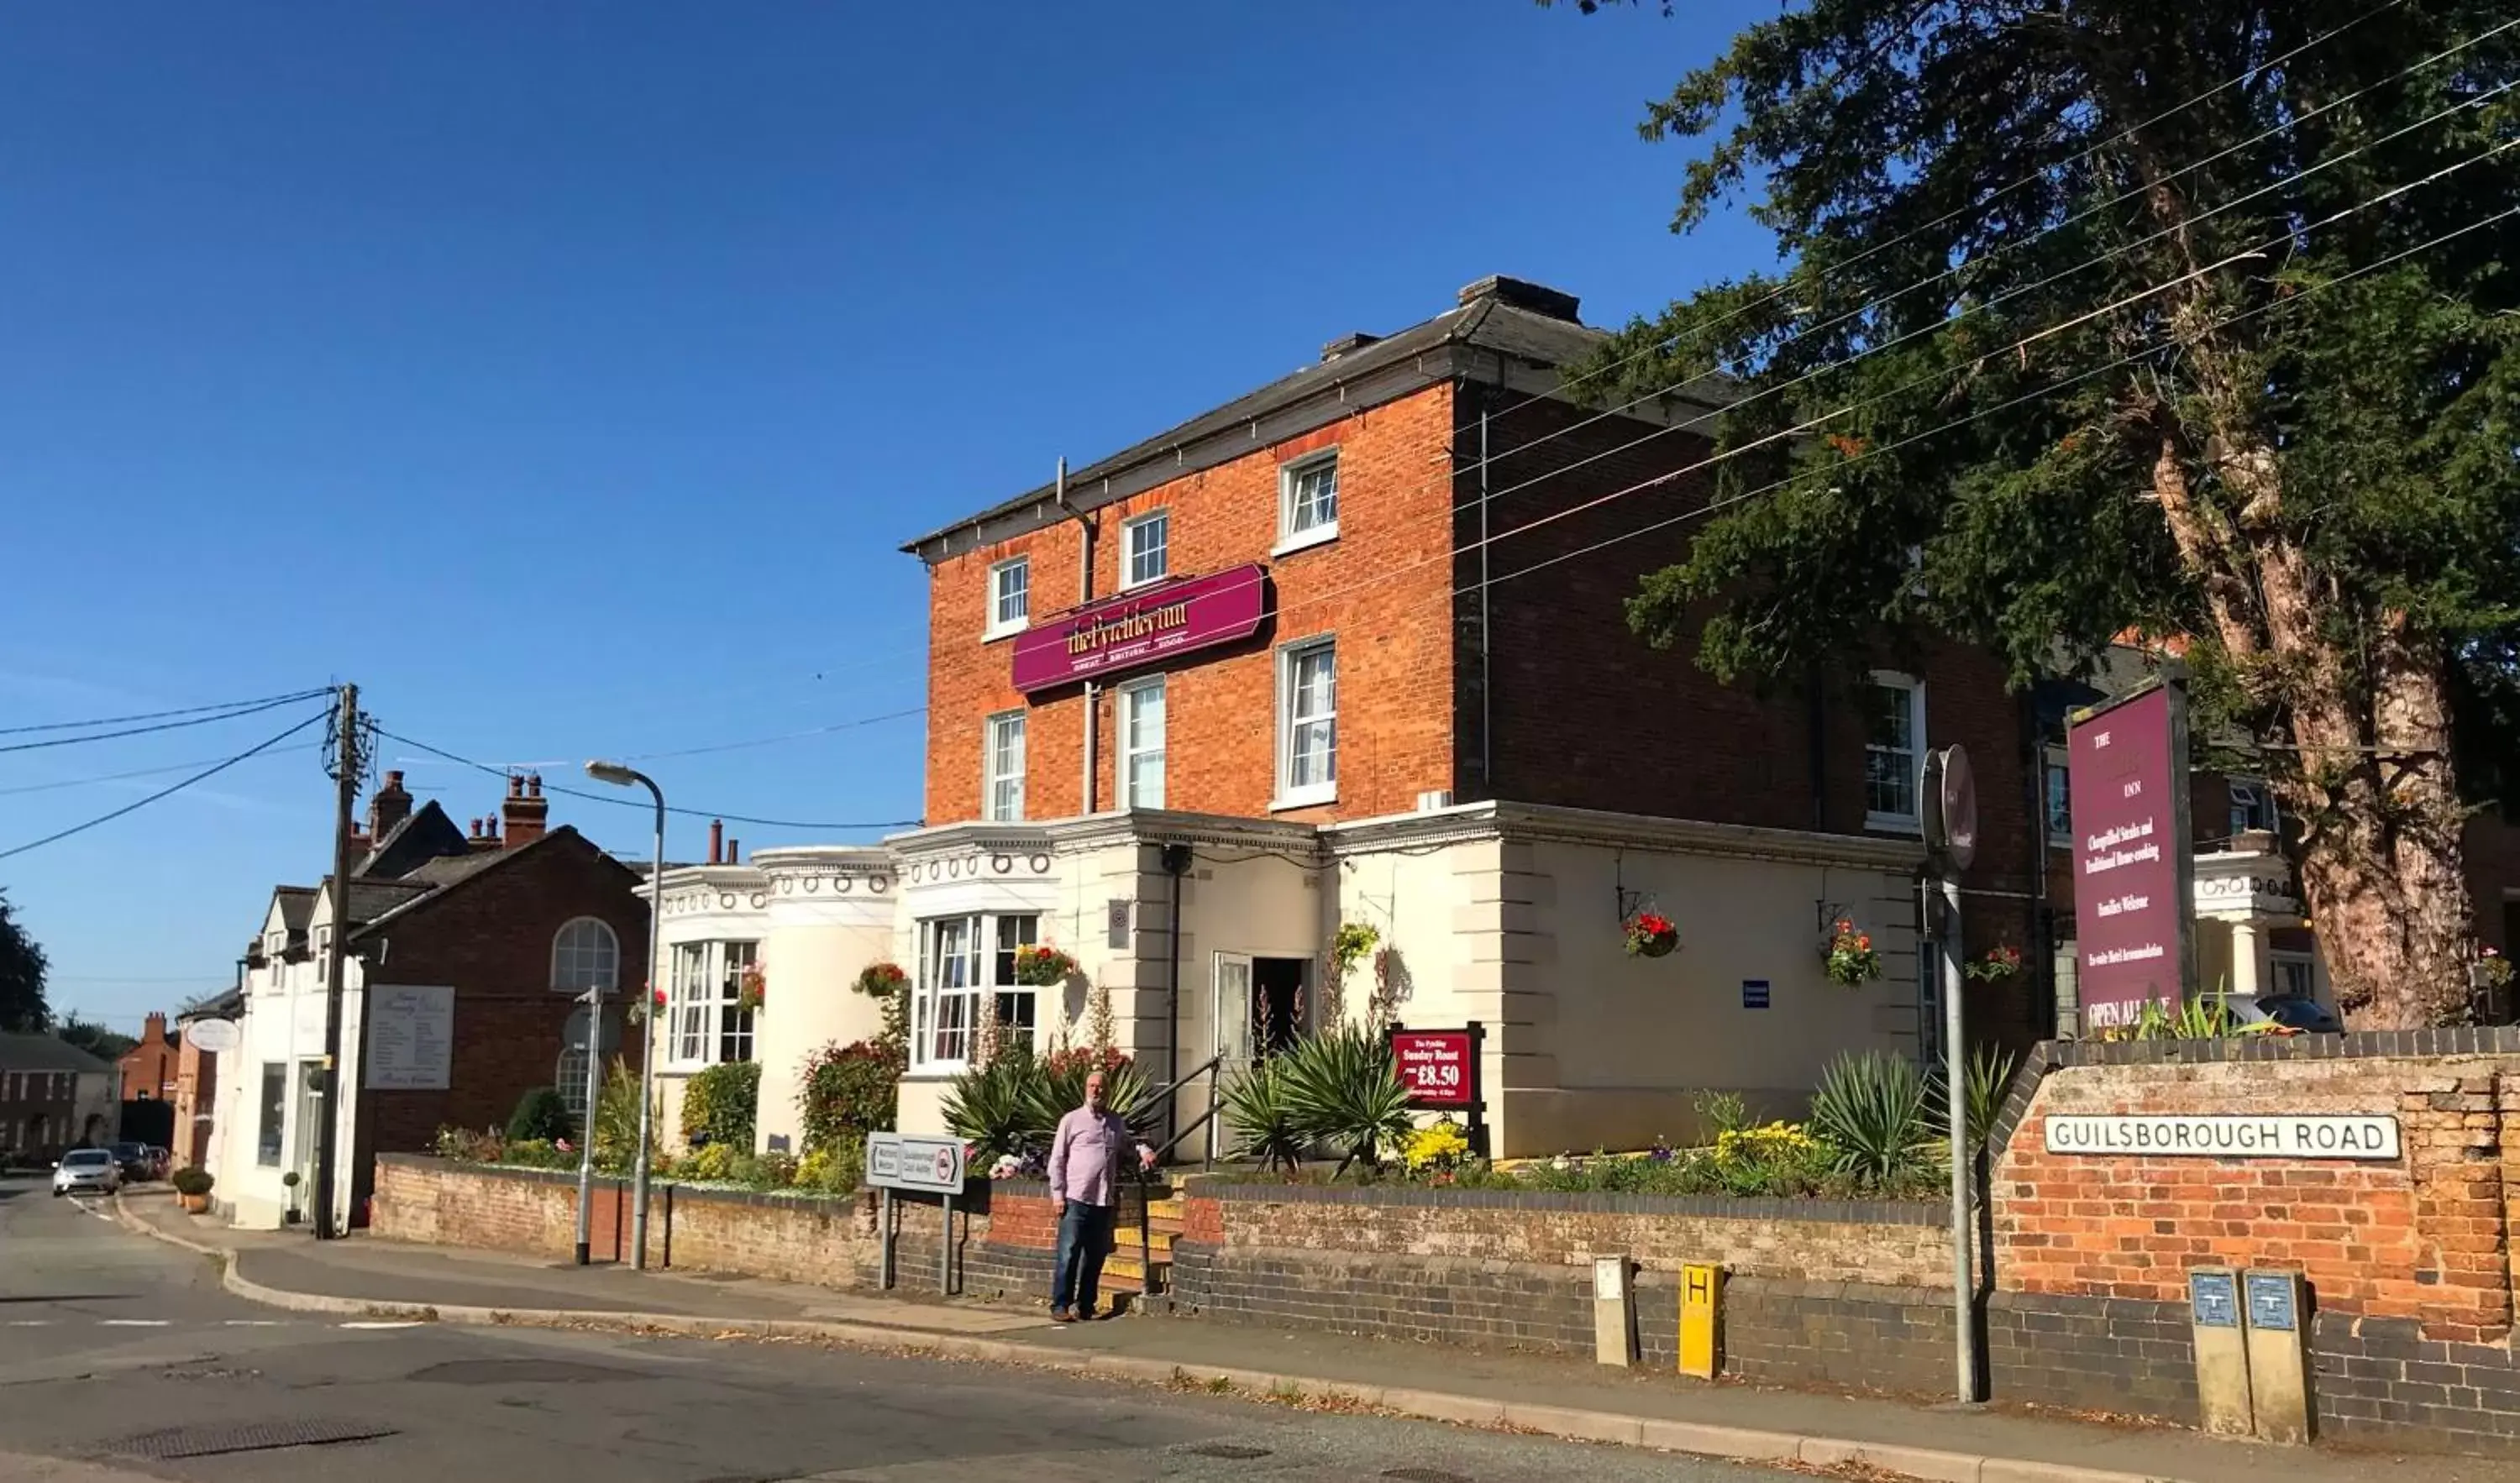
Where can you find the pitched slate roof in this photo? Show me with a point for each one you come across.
(46, 1053)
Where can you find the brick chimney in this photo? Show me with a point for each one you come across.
(717, 840)
(526, 813)
(155, 1030)
(391, 805)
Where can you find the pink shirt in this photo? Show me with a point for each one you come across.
(1085, 1157)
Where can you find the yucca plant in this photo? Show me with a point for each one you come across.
(1057, 1087)
(1261, 1110)
(1871, 1110)
(1343, 1090)
(987, 1105)
(1989, 1075)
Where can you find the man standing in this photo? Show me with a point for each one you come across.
(1084, 1174)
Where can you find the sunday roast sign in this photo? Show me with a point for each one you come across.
(2133, 877)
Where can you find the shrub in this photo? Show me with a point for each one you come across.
(849, 1092)
(714, 1164)
(837, 1169)
(536, 1154)
(541, 1113)
(1990, 1076)
(193, 1182)
(1345, 1091)
(1721, 1112)
(1258, 1109)
(464, 1146)
(720, 1105)
(1870, 1110)
(986, 1105)
(1437, 1149)
(617, 1120)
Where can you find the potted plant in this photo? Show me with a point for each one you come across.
(644, 1010)
(2001, 961)
(1651, 934)
(753, 988)
(289, 1181)
(1850, 958)
(880, 981)
(193, 1190)
(1042, 967)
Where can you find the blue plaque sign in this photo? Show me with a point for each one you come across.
(2271, 1302)
(2215, 1299)
(1754, 993)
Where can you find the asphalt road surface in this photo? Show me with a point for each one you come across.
(120, 1359)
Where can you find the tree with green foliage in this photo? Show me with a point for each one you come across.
(22, 966)
(95, 1039)
(2194, 321)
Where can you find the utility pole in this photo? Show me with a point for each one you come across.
(347, 764)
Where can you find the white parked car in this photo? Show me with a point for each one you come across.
(89, 1169)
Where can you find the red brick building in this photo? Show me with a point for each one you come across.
(467, 952)
(148, 1067)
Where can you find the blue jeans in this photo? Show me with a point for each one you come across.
(1084, 1237)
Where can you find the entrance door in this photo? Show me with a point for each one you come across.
(1232, 1019)
(311, 1112)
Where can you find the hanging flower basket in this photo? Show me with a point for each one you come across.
(1040, 967)
(2493, 970)
(880, 981)
(642, 1010)
(1651, 934)
(1849, 959)
(753, 990)
(2000, 964)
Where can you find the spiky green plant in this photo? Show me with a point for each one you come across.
(1345, 1091)
(1262, 1113)
(1057, 1087)
(1872, 1111)
(986, 1106)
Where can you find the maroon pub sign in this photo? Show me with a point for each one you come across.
(2126, 771)
(1143, 627)
(1440, 1070)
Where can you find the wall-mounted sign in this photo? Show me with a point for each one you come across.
(2178, 1135)
(411, 1038)
(1754, 993)
(2134, 873)
(1143, 627)
(212, 1035)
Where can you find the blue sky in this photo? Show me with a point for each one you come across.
(567, 374)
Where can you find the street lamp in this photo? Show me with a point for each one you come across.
(623, 777)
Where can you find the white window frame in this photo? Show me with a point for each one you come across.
(1135, 750)
(983, 965)
(579, 965)
(2258, 788)
(1290, 476)
(1289, 657)
(1913, 822)
(703, 1025)
(992, 810)
(2054, 764)
(996, 624)
(1158, 519)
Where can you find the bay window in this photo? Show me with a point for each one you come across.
(708, 1025)
(962, 960)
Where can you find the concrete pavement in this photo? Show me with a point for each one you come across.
(136, 1365)
(1529, 1392)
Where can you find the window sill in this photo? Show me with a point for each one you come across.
(1895, 824)
(1157, 580)
(1286, 802)
(1318, 536)
(993, 634)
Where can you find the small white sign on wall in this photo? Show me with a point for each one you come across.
(2178, 1135)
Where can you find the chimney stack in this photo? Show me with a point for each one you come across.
(155, 1030)
(526, 813)
(391, 805)
(717, 840)
(734, 852)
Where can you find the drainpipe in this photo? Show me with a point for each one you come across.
(2043, 925)
(1487, 638)
(1177, 860)
(1084, 595)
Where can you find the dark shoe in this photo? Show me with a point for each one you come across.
(1061, 1316)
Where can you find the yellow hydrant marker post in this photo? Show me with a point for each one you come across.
(1701, 1312)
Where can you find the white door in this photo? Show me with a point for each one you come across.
(1233, 980)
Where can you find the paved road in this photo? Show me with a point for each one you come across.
(117, 1353)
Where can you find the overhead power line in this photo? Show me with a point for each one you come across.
(230, 713)
(793, 736)
(168, 791)
(137, 772)
(159, 715)
(625, 802)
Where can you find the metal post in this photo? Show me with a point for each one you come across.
(1956, 1087)
(648, 1036)
(592, 999)
(945, 1253)
(884, 1224)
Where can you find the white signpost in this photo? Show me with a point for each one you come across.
(2179, 1135)
(902, 1161)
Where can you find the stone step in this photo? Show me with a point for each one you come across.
(1122, 1274)
(1173, 1209)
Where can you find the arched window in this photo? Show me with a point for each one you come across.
(585, 956)
(570, 1075)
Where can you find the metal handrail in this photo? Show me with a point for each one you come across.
(1146, 1187)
